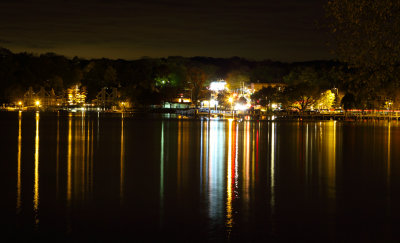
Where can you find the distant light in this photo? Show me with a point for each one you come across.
(274, 106)
(37, 103)
(230, 99)
(19, 103)
(217, 86)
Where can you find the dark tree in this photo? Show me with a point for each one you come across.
(366, 36)
(196, 79)
(266, 96)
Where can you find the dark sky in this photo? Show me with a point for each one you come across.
(283, 30)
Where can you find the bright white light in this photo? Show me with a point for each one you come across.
(213, 102)
(240, 107)
(274, 106)
(217, 86)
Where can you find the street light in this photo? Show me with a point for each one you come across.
(37, 103)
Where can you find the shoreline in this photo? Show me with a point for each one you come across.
(269, 117)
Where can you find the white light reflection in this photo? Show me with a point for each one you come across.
(272, 167)
(216, 171)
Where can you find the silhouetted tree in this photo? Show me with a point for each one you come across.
(196, 79)
(367, 38)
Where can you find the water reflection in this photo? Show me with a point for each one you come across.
(330, 151)
(204, 138)
(69, 159)
(122, 161)
(247, 176)
(19, 163)
(80, 158)
(58, 156)
(388, 153)
(272, 139)
(216, 162)
(162, 156)
(229, 184)
(36, 174)
(246, 163)
(69, 168)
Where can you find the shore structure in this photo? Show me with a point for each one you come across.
(192, 113)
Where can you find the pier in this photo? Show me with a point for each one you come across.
(259, 115)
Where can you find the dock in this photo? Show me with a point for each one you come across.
(258, 115)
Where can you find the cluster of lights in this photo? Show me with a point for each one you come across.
(241, 107)
(75, 96)
(217, 86)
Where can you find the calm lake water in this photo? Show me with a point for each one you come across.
(79, 177)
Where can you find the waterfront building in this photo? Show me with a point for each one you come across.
(257, 86)
(41, 98)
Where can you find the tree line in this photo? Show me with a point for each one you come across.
(148, 80)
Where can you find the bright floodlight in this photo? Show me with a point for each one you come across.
(217, 86)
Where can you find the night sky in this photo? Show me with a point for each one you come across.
(282, 30)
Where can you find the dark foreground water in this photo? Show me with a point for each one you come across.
(109, 177)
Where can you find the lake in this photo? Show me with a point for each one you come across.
(125, 177)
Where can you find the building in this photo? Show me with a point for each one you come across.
(257, 86)
(107, 100)
(42, 98)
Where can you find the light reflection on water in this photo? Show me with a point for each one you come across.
(122, 161)
(222, 177)
(19, 163)
(36, 180)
